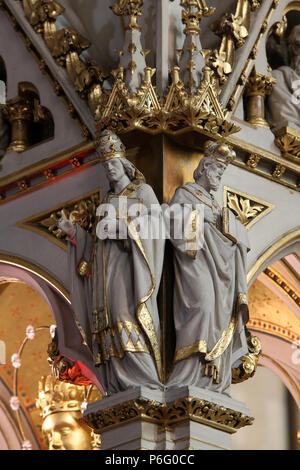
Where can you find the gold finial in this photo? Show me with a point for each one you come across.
(131, 8)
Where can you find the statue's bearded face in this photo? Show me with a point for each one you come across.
(214, 173)
(63, 431)
(114, 170)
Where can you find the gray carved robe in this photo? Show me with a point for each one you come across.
(116, 304)
(282, 109)
(210, 301)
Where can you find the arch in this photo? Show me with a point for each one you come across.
(57, 298)
(286, 244)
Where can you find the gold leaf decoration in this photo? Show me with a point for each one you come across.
(248, 209)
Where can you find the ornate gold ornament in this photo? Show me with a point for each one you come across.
(248, 209)
(258, 87)
(249, 361)
(81, 211)
(278, 171)
(42, 15)
(233, 30)
(180, 112)
(288, 141)
(132, 104)
(247, 68)
(130, 8)
(167, 415)
(66, 46)
(253, 161)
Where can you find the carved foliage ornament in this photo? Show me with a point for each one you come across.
(248, 209)
(179, 112)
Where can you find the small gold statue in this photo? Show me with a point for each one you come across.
(60, 405)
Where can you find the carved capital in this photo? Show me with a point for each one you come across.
(258, 86)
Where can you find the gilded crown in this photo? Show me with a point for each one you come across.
(55, 396)
(110, 146)
(221, 152)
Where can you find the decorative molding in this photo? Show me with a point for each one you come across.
(166, 415)
(265, 164)
(247, 208)
(81, 211)
(283, 284)
(273, 329)
(276, 246)
(11, 260)
(47, 171)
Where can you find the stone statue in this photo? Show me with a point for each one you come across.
(115, 277)
(60, 406)
(283, 108)
(210, 292)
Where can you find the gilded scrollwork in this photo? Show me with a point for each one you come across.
(42, 14)
(248, 365)
(82, 213)
(233, 30)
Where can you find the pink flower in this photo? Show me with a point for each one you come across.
(16, 360)
(30, 333)
(52, 330)
(14, 403)
(26, 445)
(83, 406)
